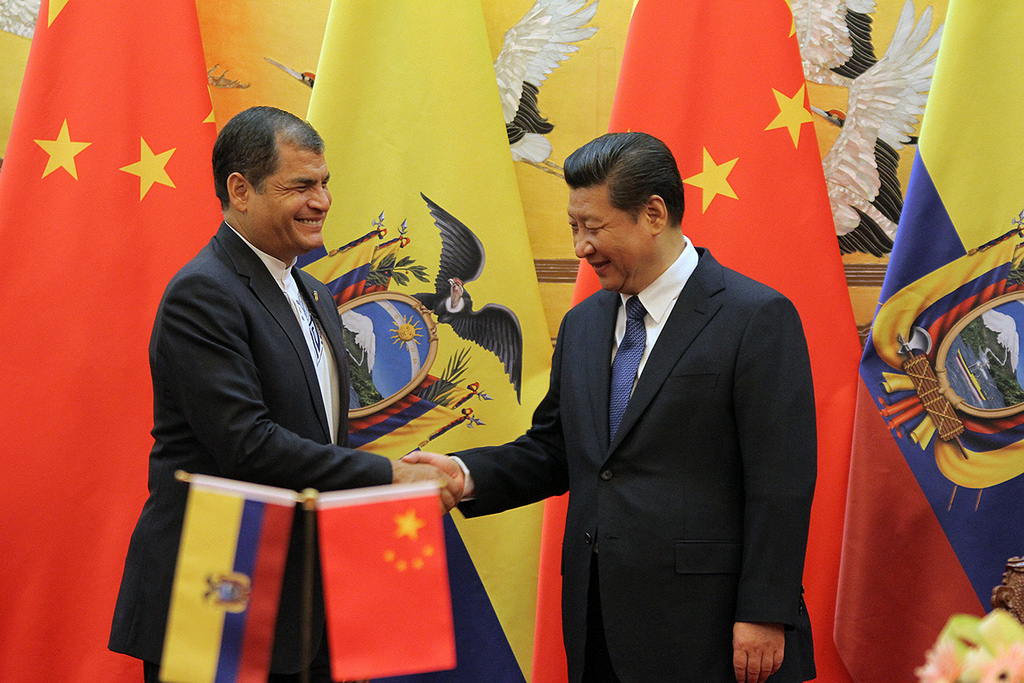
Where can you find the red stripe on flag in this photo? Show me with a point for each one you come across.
(258, 643)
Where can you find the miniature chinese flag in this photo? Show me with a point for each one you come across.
(386, 581)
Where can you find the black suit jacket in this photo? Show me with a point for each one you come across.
(700, 504)
(235, 395)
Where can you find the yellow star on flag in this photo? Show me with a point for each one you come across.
(408, 525)
(713, 180)
(56, 6)
(792, 113)
(150, 168)
(62, 152)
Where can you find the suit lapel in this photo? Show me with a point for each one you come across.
(694, 308)
(249, 267)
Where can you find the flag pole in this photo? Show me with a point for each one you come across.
(309, 497)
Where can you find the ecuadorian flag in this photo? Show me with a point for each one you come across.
(941, 496)
(227, 582)
(407, 100)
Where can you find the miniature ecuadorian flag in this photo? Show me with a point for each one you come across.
(227, 583)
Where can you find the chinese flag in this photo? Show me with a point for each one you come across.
(722, 84)
(106, 190)
(386, 590)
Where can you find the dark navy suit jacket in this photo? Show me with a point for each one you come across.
(700, 505)
(235, 395)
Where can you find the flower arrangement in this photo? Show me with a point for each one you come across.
(973, 650)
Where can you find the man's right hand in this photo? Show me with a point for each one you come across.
(451, 487)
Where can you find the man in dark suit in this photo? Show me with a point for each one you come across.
(250, 380)
(687, 524)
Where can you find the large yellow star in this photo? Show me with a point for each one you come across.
(408, 525)
(62, 152)
(792, 114)
(150, 168)
(713, 180)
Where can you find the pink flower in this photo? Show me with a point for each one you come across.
(1006, 667)
(941, 665)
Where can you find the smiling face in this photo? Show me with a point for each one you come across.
(286, 218)
(623, 251)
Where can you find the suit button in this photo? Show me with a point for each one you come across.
(588, 538)
(606, 475)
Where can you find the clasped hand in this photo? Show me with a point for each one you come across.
(427, 466)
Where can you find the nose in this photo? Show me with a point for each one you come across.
(321, 199)
(582, 245)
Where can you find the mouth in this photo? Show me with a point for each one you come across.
(599, 266)
(310, 222)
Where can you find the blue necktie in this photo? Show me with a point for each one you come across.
(627, 360)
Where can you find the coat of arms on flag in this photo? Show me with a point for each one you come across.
(952, 387)
(943, 363)
(391, 337)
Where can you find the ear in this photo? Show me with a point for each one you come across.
(655, 213)
(239, 192)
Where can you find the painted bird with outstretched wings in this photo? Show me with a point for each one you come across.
(538, 43)
(493, 327)
(885, 102)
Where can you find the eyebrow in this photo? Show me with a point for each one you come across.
(306, 180)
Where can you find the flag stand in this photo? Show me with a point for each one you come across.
(309, 497)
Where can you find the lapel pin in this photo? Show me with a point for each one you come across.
(316, 296)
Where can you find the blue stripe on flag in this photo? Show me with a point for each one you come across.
(250, 529)
(349, 279)
(399, 419)
(924, 220)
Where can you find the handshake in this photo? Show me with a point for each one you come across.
(427, 466)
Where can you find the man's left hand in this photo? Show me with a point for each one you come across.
(757, 650)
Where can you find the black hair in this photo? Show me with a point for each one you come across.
(248, 144)
(635, 166)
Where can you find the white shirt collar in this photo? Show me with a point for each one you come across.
(278, 268)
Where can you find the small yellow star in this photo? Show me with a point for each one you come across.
(62, 152)
(792, 28)
(56, 6)
(150, 168)
(713, 180)
(792, 114)
(408, 525)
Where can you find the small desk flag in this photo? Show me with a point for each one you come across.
(227, 583)
(385, 581)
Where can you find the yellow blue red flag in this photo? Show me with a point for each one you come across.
(227, 582)
(452, 349)
(941, 495)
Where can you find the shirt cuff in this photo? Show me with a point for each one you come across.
(469, 490)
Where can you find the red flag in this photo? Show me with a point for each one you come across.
(386, 590)
(721, 83)
(105, 191)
